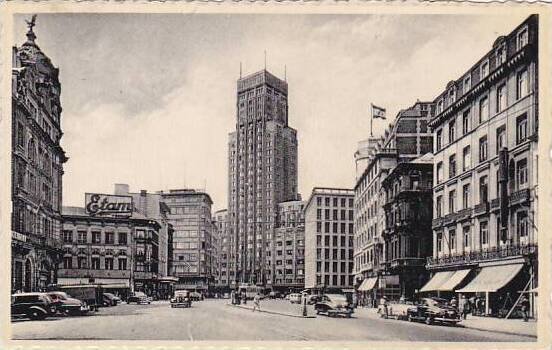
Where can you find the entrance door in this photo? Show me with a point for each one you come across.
(28, 276)
(18, 276)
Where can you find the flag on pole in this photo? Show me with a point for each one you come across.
(378, 112)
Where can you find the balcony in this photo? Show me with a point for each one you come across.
(481, 209)
(449, 219)
(519, 197)
(437, 222)
(464, 214)
(481, 255)
(404, 262)
(495, 204)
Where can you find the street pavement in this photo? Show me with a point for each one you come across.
(216, 320)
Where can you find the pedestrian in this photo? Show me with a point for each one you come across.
(463, 307)
(383, 304)
(454, 303)
(257, 302)
(525, 305)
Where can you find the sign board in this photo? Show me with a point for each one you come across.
(97, 204)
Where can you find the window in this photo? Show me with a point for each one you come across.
(484, 233)
(319, 201)
(82, 262)
(452, 200)
(319, 214)
(67, 236)
(466, 121)
(20, 135)
(522, 224)
(466, 158)
(439, 206)
(439, 242)
(501, 55)
(521, 171)
(318, 227)
(350, 202)
(452, 166)
(452, 131)
(522, 86)
(483, 149)
(67, 262)
(122, 238)
(109, 238)
(96, 237)
(466, 234)
(81, 238)
(483, 189)
(439, 172)
(501, 98)
(483, 109)
(466, 196)
(522, 38)
(108, 263)
(521, 128)
(439, 139)
(467, 84)
(452, 239)
(95, 263)
(327, 201)
(122, 263)
(500, 138)
(484, 69)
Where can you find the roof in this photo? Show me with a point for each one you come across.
(425, 159)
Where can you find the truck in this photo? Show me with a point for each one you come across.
(91, 294)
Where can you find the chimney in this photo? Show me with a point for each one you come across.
(121, 189)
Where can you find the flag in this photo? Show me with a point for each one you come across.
(378, 112)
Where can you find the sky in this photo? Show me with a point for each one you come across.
(149, 100)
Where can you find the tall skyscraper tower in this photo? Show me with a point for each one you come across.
(262, 169)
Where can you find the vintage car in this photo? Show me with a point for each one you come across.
(196, 296)
(333, 305)
(67, 305)
(91, 294)
(36, 306)
(396, 309)
(139, 298)
(110, 299)
(431, 310)
(181, 298)
(294, 298)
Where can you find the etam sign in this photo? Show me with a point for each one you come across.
(108, 205)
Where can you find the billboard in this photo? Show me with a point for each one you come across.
(97, 204)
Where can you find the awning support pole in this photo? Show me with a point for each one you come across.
(486, 303)
(518, 299)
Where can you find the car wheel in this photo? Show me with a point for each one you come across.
(37, 315)
(428, 321)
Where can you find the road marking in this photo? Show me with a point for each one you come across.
(190, 332)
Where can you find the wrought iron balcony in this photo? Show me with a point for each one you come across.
(437, 222)
(405, 262)
(481, 209)
(494, 253)
(464, 214)
(519, 197)
(495, 203)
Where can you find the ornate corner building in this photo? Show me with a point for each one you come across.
(37, 167)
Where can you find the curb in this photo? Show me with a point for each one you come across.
(501, 332)
(271, 312)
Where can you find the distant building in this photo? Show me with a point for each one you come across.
(37, 168)
(225, 256)
(405, 140)
(486, 175)
(287, 251)
(329, 239)
(192, 260)
(262, 164)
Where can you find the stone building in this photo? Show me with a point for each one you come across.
(225, 254)
(486, 175)
(329, 239)
(37, 167)
(287, 249)
(262, 164)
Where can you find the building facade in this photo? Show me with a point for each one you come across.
(486, 173)
(119, 252)
(225, 256)
(287, 249)
(192, 253)
(37, 168)
(406, 139)
(262, 163)
(329, 239)
(407, 233)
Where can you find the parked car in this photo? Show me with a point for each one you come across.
(139, 298)
(110, 299)
(36, 306)
(67, 305)
(274, 295)
(313, 299)
(398, 309)
(181, 298)
(196, 296)
(431, 310)
(333, 305)
(294, 298)
(226, 296)
(91, 294)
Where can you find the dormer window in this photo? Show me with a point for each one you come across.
(440, 106)
(484, 69)
(467, 84)
(522, 38)
(501, 55)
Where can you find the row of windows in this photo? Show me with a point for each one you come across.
(82, 237)
(93, 263)
(336, 254)
(342, 226)
(336, 267)
(343, 280)
(343, 202)
(335, 213)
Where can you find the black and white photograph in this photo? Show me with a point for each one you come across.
(271, 176)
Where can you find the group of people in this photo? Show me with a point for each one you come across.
(237, 297)
(477, 306)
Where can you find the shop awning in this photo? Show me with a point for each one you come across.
(454, 280)
(437, 280)
(492, 278)
(368, 284)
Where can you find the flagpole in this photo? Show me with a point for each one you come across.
(371, 118)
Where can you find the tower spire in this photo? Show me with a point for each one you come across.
(30, 24)
(240, 69)
(265, 59)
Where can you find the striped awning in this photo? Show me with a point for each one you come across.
(368, 284)
(454, 281)
(437, 281)
(492, 278)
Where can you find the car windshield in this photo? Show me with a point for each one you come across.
(109, 295)
(337, 297)
(59, 295)
(139, 294)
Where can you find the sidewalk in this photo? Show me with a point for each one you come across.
(491, 324)
(279, 307)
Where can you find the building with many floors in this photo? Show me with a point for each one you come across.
(225, 256)
(37, 168)
(287, 249)
(405, 140)
(486, 175)
(262, 164)
(329, 239)
(192, 249)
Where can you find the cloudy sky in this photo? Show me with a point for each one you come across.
(149, 100)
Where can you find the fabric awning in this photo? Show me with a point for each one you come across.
(437, 280)
(454, 280)
(368, 284)
(492, 278)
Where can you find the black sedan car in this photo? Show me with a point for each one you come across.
(36, 306)
(110, 299)
(333, 305)
(432, 310)
(139, 298)
(67, 305)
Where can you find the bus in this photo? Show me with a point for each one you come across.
(250, 290)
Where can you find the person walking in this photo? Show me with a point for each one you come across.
(257, 302)
(525, 305)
